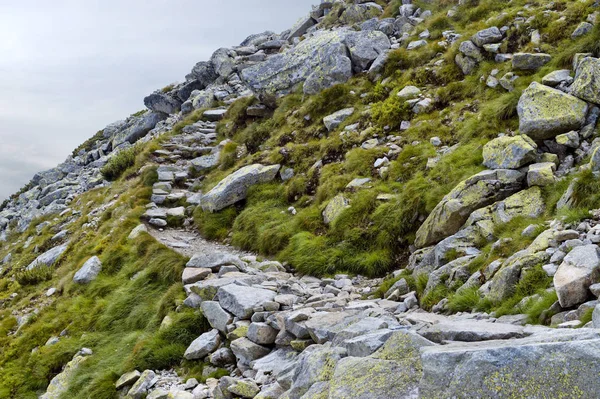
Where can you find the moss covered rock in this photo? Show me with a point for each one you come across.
(474, 193)
(509, 152)
(335, 208)
(235, 187)
(587, 80)
(545, 112)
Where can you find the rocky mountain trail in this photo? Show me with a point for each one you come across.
(362, 206)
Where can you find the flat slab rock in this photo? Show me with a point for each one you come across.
(548, 365)
(471, 331)
(241, 300)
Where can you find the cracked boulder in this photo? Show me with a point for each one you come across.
(474, 193)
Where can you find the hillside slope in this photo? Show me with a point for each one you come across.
(388, 200)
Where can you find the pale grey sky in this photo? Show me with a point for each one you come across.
(70, 67)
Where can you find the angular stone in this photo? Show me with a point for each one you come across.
(244, 389)
(316, 364)
(235, 187)
(334, 120)
(582, 29)
(262, 333)
(49, 257)
(214, 260)
(247, 351)
(301, 26)
(162, 102)
(136, 232)
(476, 192)
(555, 78)
(140, 389)
(89, 271)
(138, 128)
(203, 345)
(587, 80)
(365, 47)
(578, 271)
(365, 345)
(241, 300)
(487, 36)
(469, 49)
(217, 317)
(570, 139)
(541, 174)
(528, 61)
(509, 152)
(466, 64)
(409, 92)
(545, 112)
(127, 379)
(194, 274)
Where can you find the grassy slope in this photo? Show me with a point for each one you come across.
(372, 237)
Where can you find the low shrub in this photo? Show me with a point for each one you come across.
(118, 164)
(34, 276)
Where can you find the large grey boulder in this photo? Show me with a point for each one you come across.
(545, 112)
(217, 317)
(365, 47)
(476, 192)
(509, 152)
(203, 345)
(241, 300)
(319, 62)
(223, 62)
(89, 271)
(49, 257)
(315, 364)
(552, 365)
(234, 187)
(527, 204)
(393, 371)
(162, 102)
(138, 128)
(529, 61)
(587, 80)
(204, 72)
(579, 270)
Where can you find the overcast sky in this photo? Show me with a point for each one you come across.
(70, 67)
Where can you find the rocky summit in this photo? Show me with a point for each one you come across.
(391, 199)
